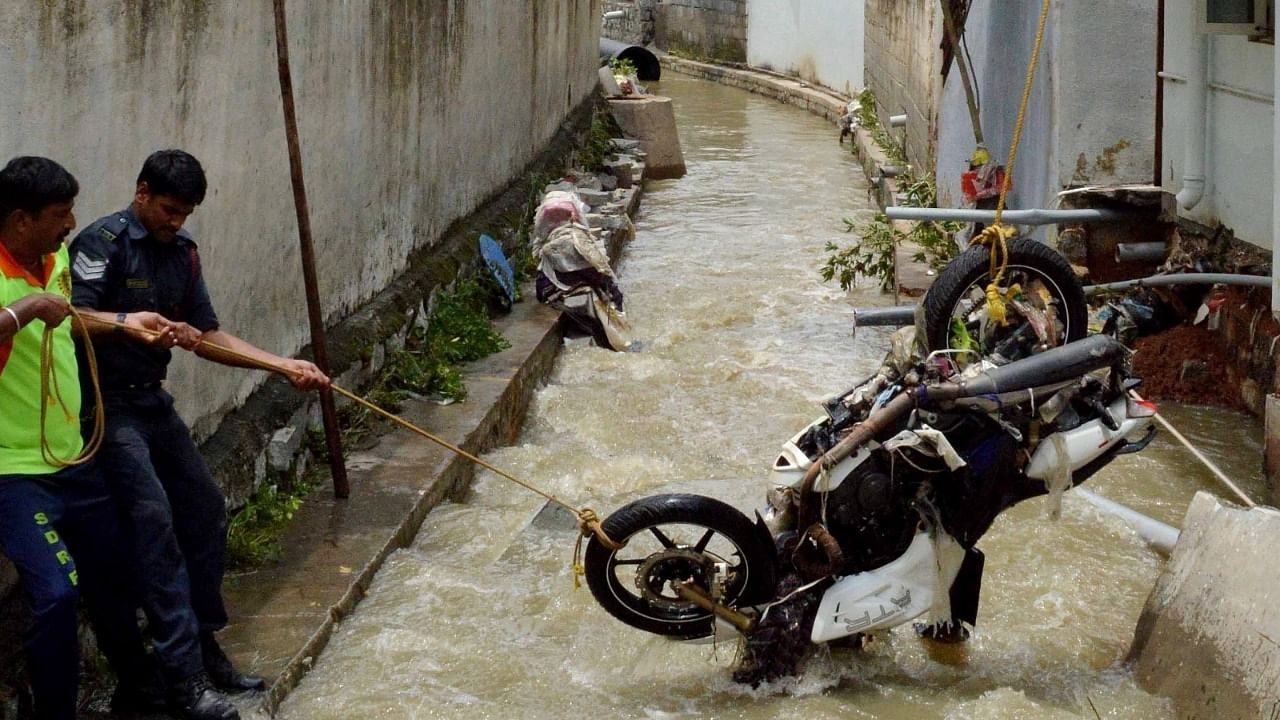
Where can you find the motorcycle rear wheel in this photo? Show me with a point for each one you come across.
(958, 292)
(671, 538)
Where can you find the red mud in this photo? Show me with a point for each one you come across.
(1158, 361)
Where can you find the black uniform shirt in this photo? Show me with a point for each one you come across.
(116, 266)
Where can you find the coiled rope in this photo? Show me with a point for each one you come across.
(996, 236)
(589, 523)
(49, 390)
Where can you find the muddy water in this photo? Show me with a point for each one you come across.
(479, 619)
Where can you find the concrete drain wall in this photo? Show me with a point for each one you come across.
(1209, 636)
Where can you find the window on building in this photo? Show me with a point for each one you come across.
(1255, 18)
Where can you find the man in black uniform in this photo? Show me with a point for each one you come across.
(127, 267)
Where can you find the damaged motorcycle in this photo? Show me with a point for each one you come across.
(873, 512)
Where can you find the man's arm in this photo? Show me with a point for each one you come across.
(304, 375)
(145, 327)
(49, 307)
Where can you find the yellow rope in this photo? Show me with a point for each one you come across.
(588, 522)
(49, 391)
(996, 236)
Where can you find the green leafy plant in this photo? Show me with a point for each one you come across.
(599, 143)
(622, 66)
(935, 238)
(872, 255)
(254, 533)
(867, 117)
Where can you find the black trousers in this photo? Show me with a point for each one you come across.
(62, 533)
(175, 518)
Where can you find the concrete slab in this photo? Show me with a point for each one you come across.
(1209, 636)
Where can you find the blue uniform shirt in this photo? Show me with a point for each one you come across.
(116, 266)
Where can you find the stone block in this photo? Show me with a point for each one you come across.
(594, 197)
(651, 120)
(283, 446)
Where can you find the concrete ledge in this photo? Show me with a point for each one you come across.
(1209, 636)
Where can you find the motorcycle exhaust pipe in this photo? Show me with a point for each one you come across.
(699, 597)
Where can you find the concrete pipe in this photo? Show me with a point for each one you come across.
(647, 66)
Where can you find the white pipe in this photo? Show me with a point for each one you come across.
(1035, 216)
(1195, 143)
(1159, 536)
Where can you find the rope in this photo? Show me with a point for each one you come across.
(49, 390)
(1201, 457)
(996, 236)
(589, 523)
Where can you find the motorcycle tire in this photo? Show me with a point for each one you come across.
(781, 642)
(677, 537)
(1028, 260)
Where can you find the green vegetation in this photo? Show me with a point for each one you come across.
(622, 66)
(893, 150)
(254, 533)
(598, 146)
(935, 238)
(872, 255)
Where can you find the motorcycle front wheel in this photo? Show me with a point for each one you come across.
(678, 538)
(954, 306)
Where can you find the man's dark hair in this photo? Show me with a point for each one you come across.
(176, 174)
(31, 184)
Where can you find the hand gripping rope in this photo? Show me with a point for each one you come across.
(996, 235)
(589, 523)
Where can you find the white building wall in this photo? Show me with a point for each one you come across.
(818, 40)
(411, 114)
(1087, 123)
(1240, 165)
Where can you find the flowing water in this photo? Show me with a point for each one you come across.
(479, 619)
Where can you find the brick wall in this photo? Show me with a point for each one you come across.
(637, 27)
(902, 67)
(715, 29)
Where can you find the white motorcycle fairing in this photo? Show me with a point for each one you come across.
(1086, 443)
(891, 594)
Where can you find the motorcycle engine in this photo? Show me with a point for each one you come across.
(871, 515)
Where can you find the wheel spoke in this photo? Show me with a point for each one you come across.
(704, 540)
(634, 561)
(662, 538)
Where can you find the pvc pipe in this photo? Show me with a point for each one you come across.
(897, 120)
(615, 14)
(1159, 536)
(1183, 279)
(899, 315)
(1195, 145)
(1015, 217)
(884, 317)
(647, 66)
(1148, 252)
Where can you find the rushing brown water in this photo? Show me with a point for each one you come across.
(479, 619)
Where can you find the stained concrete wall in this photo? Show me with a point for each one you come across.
(1240, 176)
(903, 63)
(411, 114)
(1209, 636)
(714, 29)
(1091, 118)
(820, 41)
